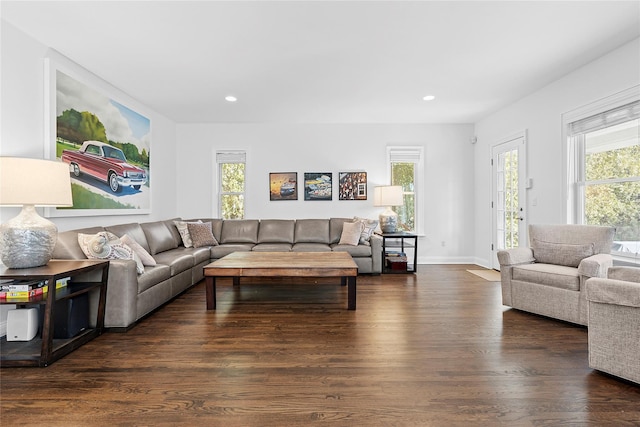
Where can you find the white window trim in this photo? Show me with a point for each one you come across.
(411, 154)
(570, 174)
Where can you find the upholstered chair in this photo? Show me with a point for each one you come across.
(614, 323)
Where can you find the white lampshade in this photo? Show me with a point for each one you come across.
(28, 240)
(388, 195)
(34, 182)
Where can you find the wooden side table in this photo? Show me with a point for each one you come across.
(45, 349)
(397, 240)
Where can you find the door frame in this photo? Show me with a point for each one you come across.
(517, 140)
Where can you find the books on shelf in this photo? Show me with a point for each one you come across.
(25, 289)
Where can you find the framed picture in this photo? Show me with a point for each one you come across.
(283, 186)
(352, 186)
(317, 185)
(103, 139)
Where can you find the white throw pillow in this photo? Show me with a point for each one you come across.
(106, 245)
(351, 232)
(145, 256)
(369, 226)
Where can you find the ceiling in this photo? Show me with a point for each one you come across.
(331, 61)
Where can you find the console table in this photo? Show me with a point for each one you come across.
(397, 240)
(44, 349)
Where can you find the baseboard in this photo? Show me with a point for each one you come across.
(446, 260)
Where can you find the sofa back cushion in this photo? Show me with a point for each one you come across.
(67, 246)
(239, 231)
(335, 228)
(276, 231)
(572, 234)
(159, 236)
(133, 230)
(560, 253)
(312, 231)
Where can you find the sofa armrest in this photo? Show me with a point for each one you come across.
(615, 292)
(628, 274)
(122, 294)
(595, 265)
(515, 256)
(376, 253)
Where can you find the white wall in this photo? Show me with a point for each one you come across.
(448, 192)
(540, 114)
(22, 130)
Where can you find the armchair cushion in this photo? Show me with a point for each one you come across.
(557, 276)
(560, 253)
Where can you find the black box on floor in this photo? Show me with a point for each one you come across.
(70, 316)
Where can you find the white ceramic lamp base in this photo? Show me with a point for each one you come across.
(27, 240)
(388, 221)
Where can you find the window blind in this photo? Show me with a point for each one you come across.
(605, 119)
(404, 154)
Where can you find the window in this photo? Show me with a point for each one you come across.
(231, 184)
(606, 173)
(406, 170)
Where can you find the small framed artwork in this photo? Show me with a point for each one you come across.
(317, 185)
(352, 186)
(283, 186)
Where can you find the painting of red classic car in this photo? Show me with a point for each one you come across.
(106, 163)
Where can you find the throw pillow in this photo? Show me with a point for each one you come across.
(201, 234)
(369, 226)
(351, 232)
(184, 232)
(560, 253)
(145, 256)
(106, 245)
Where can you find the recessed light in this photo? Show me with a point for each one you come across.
(230, 98)
(429, 98)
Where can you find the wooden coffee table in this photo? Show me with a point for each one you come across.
(282, 264)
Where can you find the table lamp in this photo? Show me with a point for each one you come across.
(388, 195)
(28, 239)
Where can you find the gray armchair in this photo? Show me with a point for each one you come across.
(548, 277)
(614, 323)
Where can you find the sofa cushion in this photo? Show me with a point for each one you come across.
(560, 253)
(199, 254)
(133, 230)
(311, 247)
(187, 242)
(224, 250)
(272, 247)
(201, 234)
(558, 276)
(106, 245)
(159, 236)
(144, 256)
(178, 260)
(152, 276)
(239, 231)
(312, 231)
(351, 232)
(354, 251)
(170, 223)
(276, 231)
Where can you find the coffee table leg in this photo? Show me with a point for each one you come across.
(351, 283)
(210, 286)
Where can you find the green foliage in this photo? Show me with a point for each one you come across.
(404, 174)
(614, 203)
(232, 178)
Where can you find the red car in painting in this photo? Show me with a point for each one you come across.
(106, 163)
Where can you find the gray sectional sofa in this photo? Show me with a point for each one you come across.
(131, 295)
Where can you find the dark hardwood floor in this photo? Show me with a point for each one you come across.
(432, 349)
